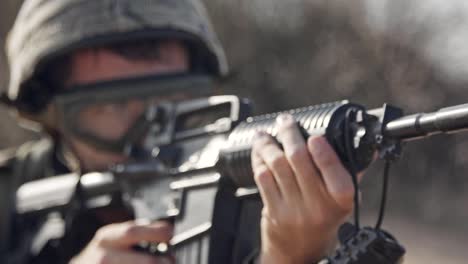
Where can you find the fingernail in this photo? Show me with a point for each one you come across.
(259, 134)
(317, 145)
(165, 225)
(142, 222)
(284, 119)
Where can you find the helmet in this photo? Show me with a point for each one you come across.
(46, 29)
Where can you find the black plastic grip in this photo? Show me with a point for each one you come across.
(318, 120)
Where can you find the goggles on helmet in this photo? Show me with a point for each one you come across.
(115, 115)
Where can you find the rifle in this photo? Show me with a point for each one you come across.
(193, 168)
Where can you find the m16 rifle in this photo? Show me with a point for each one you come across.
(193, 168)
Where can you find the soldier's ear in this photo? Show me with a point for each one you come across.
(25, 120)
(5, 100)
(45, 120)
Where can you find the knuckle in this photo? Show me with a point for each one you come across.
(326, 160)
(283, 221)
(261, 174)
(345, 199)
(287, 126)
(321, 221)
(299, 222)
(131, 230)
(298, 154)
(278, 162)
(262, 140)
(101, 234)
(290, 220)
(261, 144)
(320, 217)
(256, 146)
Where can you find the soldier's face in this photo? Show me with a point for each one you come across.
(112, 121)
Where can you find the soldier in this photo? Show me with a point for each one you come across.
(60, 47)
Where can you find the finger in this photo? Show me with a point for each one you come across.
(295, 149)
(124, 257)
(125, 235)
(276, 161)
(337, 180)
(265, 181)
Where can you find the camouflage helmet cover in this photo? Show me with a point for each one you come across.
(47, 28)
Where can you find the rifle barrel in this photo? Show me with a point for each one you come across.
(446, 120)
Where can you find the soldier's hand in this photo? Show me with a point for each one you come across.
(307, 195)
(113, 244)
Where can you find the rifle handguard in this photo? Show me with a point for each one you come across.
(318, 120)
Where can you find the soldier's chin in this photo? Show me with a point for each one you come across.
(104, 162)
(114, 159)
(92, 158)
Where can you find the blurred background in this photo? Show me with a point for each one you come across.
(410, 53)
